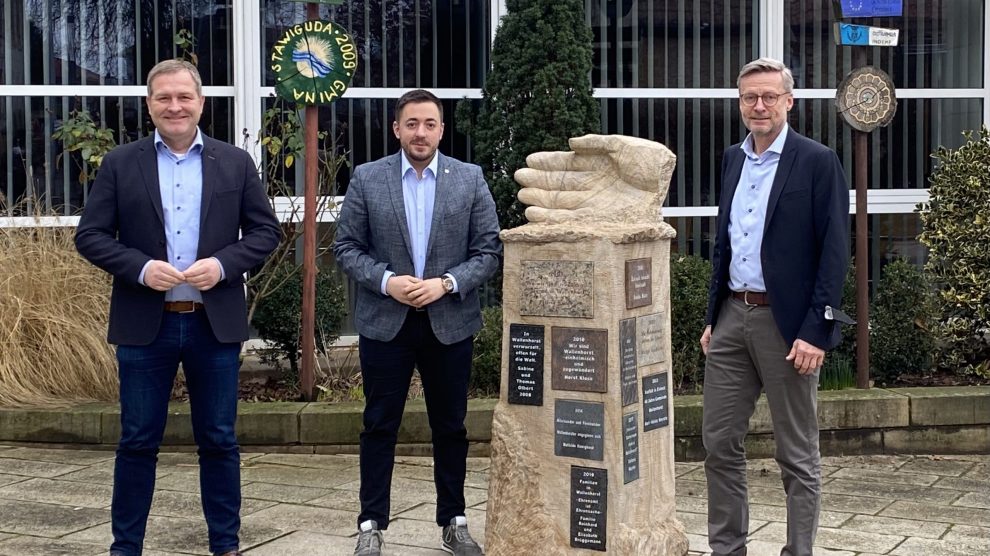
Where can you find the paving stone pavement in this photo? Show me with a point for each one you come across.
(56, 501)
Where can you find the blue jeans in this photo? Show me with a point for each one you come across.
(146, 377)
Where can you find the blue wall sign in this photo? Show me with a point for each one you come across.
(872, 8)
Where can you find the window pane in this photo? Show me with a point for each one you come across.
(899, 154)
(671, 43)
(35, 169)
(941, 45)
(403, 43)
(109, 42)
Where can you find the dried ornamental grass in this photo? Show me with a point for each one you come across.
(53, 310)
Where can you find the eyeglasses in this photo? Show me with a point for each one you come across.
(769, 99)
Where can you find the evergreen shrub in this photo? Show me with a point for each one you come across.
(690, 277)
(486, 369)
(900, 317)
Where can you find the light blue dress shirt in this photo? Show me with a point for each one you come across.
(418, 198)
(749, 213)
(180, 182)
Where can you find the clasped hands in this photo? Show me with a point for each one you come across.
(202, 275)
(603, 177)
(413, 291)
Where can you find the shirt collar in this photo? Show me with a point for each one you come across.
(432, 166)
(776, 147)
(197, 144)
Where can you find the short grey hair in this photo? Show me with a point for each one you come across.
(762, 65)
(174, 66)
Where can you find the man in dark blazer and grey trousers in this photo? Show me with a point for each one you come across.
(418, 233)
(177, 218)
(779, 263)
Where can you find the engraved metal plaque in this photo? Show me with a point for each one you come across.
(526, 364)
(639, 283)
(589, 507)
(579, 429)
(579, 359)
(630, 447)
(557, 289)
(649, 339)
(655, 413)
(629, 380)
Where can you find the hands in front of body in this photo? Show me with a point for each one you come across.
(413, 291)
(806, 357)
(604, 177)
(202, 275)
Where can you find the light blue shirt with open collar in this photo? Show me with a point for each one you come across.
(418, 198)
(749, 213)
(180, 182)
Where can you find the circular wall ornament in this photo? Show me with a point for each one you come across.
(313, 62)
(866, 99)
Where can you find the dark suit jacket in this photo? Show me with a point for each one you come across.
(805, 249)
(122, 228)
(373, 236)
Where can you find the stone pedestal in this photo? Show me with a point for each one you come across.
(582, 441)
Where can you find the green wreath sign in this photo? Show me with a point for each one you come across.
(314, 62)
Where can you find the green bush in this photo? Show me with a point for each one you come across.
(900, 317)
(956, 230)
(846, 350)
(278, 316)
(690, 277)
(486, 370)
(837, 373)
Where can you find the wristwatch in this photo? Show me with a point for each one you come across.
(448, 283)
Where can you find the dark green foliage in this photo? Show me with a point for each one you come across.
(956, 225)
(689, 280)
(278, 316)
(900, 316)
(837, 373)
(486, 369)
(846, 350)
(537, 95)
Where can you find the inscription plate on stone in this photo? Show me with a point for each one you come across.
(579, 430)
(629, 381)
(557, 289)
(630, 447)
(579, 359)
(526, 364)
(639, 283)
(649, 339)
(655, 404)
(589, 507)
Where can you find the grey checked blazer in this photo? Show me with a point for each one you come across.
(373, 236)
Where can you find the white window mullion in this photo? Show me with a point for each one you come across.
(247, 57)
(772, 29)
(986, 65)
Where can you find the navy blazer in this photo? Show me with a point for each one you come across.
(805, 249)
(122, 228)
(373, 236)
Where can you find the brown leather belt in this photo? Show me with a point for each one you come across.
(182, 306)
(752, 299)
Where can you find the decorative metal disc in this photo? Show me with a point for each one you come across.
(313, 62)
(866, 99)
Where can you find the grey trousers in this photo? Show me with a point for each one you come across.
(746, 355)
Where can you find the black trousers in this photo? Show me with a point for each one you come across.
(387, 368)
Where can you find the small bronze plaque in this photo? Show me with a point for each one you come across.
(579, 429)
(557, 289)
(630, 447)
(579, 359)
(639, 283)
(526, 364)
(589, 507)
(655, 414)
(649, 339)
(627, 362)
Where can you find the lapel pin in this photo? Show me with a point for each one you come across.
(446, 170)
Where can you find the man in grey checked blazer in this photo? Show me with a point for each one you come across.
(418, 233)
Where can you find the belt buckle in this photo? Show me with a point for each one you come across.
(192, 308)
(746, 300)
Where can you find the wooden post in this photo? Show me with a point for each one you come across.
(862, 249)
(307, 375)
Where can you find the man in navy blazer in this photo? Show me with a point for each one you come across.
(779, 262)
(177, 218)
(418, 233)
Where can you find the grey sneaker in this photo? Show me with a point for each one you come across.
(457, 541)
(370, 541)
